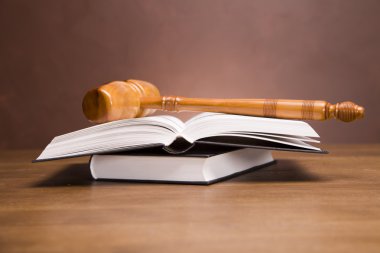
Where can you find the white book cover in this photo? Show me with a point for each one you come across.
(179, 169)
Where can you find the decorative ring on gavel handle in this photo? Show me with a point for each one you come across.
(134, 98)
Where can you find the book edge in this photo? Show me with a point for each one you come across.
(204, 183)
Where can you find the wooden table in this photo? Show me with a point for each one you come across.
(304, 203)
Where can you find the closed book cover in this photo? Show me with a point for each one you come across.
(197, 167)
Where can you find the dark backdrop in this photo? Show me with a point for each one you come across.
(52, 52)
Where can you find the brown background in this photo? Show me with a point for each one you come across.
(52, 52)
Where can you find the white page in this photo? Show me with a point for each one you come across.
(290, 142)
(114, 136)
(207, 124)
(172, 123)
(286, 137)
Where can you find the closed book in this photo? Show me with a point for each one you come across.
(194, 167)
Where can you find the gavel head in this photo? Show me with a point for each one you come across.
(118, 100)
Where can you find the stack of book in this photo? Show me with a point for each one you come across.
(206, 149)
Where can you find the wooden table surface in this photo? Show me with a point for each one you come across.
(304, 203)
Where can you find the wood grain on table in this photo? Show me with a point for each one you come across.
(304, 203)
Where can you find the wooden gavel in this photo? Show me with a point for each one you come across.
(134, 98)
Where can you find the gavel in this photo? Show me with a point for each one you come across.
(135, 98)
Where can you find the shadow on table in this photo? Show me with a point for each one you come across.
(72, 175)
(281, 171)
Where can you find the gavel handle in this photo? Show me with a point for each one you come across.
(273, 108)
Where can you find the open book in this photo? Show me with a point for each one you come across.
(176, 136)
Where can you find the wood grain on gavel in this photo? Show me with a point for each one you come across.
(134, 98)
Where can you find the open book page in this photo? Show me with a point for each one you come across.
(289, 132)
(163, 130)
(282, 136)
(174, 124)
(290, 142)
(113, 136)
